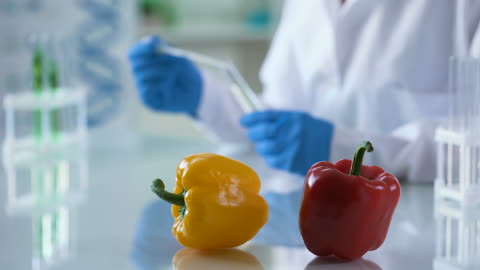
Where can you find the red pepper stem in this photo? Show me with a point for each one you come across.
(158, 187)
(356, 168)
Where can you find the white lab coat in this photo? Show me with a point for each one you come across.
(377, 69)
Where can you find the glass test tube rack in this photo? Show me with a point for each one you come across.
(457, 236)
(30, 119)
(458, 144)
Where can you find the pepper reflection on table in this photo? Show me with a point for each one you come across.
(221, 259)
(335, 263)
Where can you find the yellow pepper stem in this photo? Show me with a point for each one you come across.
(158, 187)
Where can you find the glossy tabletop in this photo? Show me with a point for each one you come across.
(107, 217)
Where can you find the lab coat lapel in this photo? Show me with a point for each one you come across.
(348, 5)
(335, 9)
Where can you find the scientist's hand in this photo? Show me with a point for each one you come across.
(288, 140)
(165, 82)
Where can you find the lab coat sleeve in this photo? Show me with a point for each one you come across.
(408, 148)
(409, 152)
(219, 114)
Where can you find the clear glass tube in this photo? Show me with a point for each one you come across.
(464, 95)
(241, 91)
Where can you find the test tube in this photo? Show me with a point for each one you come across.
(241, 91)
(53, 85)
(464, 120)
(464, 93)
(37, 87)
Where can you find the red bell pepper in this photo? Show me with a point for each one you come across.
(346, 207)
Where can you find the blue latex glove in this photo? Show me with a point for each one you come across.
(288, 140)
(165, 82)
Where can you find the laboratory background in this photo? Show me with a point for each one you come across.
(83, 134)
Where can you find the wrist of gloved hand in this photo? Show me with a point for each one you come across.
(289, 140)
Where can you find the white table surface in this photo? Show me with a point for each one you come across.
(122, 225)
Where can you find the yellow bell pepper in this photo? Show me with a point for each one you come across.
(215, 202)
